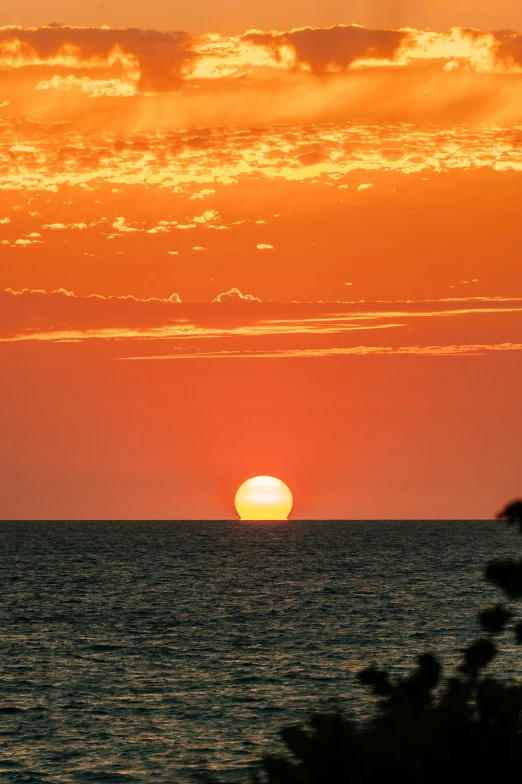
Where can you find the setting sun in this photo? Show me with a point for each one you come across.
(263, 498)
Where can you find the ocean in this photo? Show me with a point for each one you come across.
(150, 651)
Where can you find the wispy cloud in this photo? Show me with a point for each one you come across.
(60, 314)
(423, 351)
(464, 283)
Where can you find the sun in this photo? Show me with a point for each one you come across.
(264, 498)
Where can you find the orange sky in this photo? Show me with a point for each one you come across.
(235, 16)
(290, 251)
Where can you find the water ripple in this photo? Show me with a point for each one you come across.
(139, 652)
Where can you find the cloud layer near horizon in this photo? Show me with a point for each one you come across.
(237, 325)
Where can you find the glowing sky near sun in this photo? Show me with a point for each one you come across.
(314, 205)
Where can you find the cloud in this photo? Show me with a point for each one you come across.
(123, 62)
(202, 193)
(145, 78)
(234, 295)
(336, 49)
(120, 224)
(365, 186)
(508, 48)
(208, 217)
(93, 88)
(468, 350)
(465, 283)
(21, 292)
(198, 248)
(157, 230)
(230, 155)
(64, 226)
(265, 247)
(155, 61)
(62, 291)
(4, 221)
(330, 50)
(61, 314)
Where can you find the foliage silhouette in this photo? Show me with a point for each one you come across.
(467, 728)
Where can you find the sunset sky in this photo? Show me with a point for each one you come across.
(244, 237)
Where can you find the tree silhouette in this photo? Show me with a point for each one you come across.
(467, 728)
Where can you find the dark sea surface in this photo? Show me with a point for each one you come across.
(146, 651)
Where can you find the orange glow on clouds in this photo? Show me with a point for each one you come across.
(135, 79)
(332, 208)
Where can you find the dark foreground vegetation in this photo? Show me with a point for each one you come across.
(467, 728)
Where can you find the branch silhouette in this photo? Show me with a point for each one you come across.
(425, 730)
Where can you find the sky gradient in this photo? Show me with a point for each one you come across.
(284, 243)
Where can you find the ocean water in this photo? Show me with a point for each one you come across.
(147, 651)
